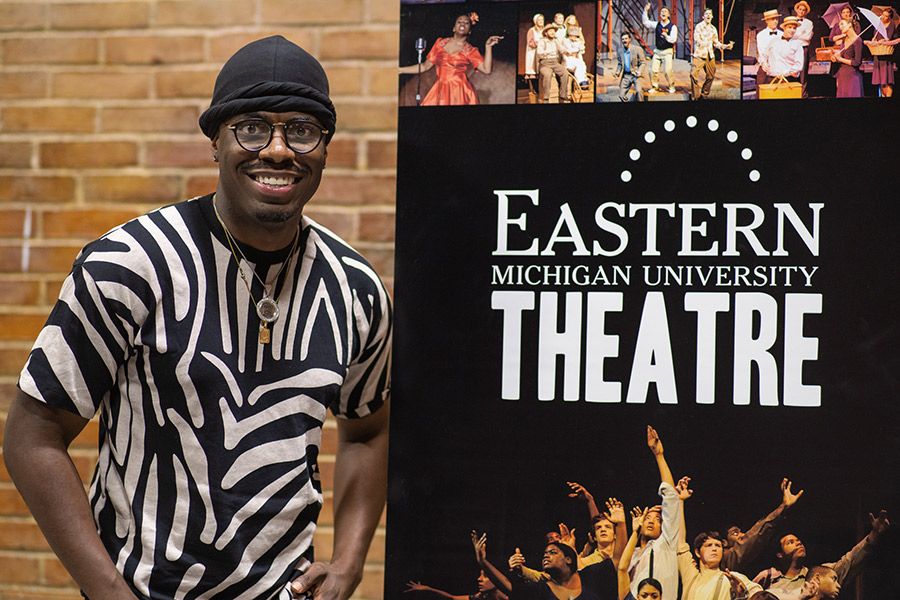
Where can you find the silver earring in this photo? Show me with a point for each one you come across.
(215, 158)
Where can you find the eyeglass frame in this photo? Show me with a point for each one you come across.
(322, 133)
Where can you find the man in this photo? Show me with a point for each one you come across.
(550, 62)
(742, 548)
(656, 558)
(706, 42)
(787, 580)
(629, 61)
(784, 56)
(212, 336)
(706, 580)
(665, 35)
(804, 35)
(822, 583)
(763, 39)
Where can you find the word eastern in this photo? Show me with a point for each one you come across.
(653, 276)
(743, 224)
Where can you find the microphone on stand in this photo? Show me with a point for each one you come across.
(420, 47)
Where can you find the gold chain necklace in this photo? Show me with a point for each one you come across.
(267, 307)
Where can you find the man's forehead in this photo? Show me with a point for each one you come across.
(275, 117)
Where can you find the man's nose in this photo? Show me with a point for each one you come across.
(277, 150)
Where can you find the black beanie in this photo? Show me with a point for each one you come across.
(273, 75)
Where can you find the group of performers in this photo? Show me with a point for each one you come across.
(555, 50)
(783, 50)
(659, 561)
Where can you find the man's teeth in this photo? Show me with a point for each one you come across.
(267, 180)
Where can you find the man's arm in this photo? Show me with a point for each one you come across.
(360, 490)
(645, 18)
(852, 562)
(35, 449)
(655, 445)
(744, 551)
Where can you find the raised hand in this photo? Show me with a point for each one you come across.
(565, 536)
(738, 589)
(637, 517)
(880, 523)
(682, 489)
(492, 41)
(579, 491)
(516, 561)
(653, 441)
(615, 511)
(480, 545)
(788, 498)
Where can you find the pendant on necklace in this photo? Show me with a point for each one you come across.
(265, 335)
(267, 309)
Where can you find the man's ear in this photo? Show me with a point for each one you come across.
(214, 146)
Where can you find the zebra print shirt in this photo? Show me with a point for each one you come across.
(207, 484)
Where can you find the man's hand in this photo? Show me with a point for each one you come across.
(788, 498)
(516, 561)
(324, 581)
(879, 524)
(615, 511)
(567, 537)
(738, 589)
(637, 518)
(480, 545)
(579, 491)
(682, 489)
(653, 441)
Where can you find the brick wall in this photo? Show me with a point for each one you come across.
(98, 123)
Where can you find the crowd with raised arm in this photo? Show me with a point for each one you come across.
(657, 561)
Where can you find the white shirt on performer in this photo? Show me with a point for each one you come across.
(804, 31)
(784, 57)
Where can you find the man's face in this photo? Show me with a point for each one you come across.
(664, 15)
(604, 532)
(801, 11)
(652, 525)
(271, 185)
(710, 553)
(792, 547)
(772, 23)
(553, 559)
(707, 16)
(626, 40)
(552, 536)
(735, 536)
(789, 31)
(828, 584)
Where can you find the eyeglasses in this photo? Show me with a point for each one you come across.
(300, 135)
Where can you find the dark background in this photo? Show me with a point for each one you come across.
(463, 459)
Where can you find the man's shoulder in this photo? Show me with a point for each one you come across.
(342, 256)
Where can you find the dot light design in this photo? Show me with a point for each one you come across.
(691, 122)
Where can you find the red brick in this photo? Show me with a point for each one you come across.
(19, 293)
(154, 50)
(101, 84)
(381, 259)
(276, 12)
(21, 535)
(22, 16)
(68, 119)
(100, 15)
(342, 152)
(20, 569)
(356, 189)
(196, 83)
(84, 223)
(200, 185)
(11, 362)
(11, 504)
(384, 11)
(223, 46)
(360, 43)
(179, 154)
(18, 593)
(88, 154)
(15, 155)
(376, 226)
(367, 115)
(42, 259)
(85, 464)
(383, 81)
(23, 84)
(12, 223)
(341, 223)
(20, 327)
(161, 119)
(345, 81)
(26, 188)
(372, 584)
(196, 13)
(51, 50)
(88, 437)
(381, 154)
(161, 189)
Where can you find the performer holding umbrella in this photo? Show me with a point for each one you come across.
(882, 48)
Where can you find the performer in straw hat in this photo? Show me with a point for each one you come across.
(784, 56)
(763, 39)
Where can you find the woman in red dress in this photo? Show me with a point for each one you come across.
(453, 56)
